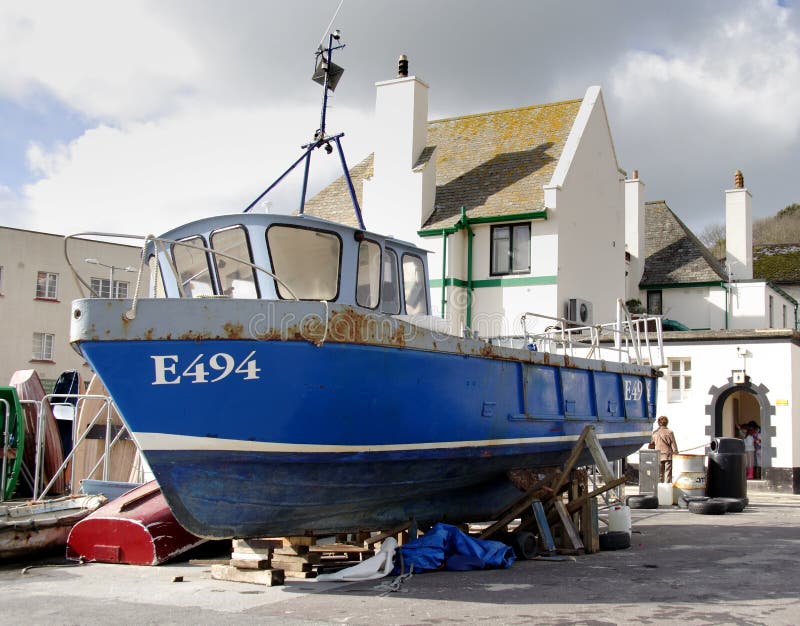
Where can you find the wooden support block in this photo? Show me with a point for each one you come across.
(577, 449)
(292, 566)
(339, 548)
(589, 529)
(566, 523)
(312, 557)
(250, 563)
(515, 510)
(291, 574)
(268, 577)
(300, 540)
(292, 550)
(577, 504)
(256, 546)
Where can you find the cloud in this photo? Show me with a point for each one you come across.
(152, 176)
(108, 60)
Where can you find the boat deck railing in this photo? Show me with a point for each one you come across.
(36, 479)
(636, 339)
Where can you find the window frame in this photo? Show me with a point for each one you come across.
(511, 226)
(390, 252)
(43, 356)
(380, 278)
(209, 268)
(249, 252)
(681, 393)
(113, 291)
(309, 228)
(425, 290)
(653, 293)
(46, 295)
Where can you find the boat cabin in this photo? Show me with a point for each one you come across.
(282, 257)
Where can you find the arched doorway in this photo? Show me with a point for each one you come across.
(736, 404)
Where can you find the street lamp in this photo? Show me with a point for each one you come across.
(111, 269)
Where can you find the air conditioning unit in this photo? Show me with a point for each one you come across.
(579, 311)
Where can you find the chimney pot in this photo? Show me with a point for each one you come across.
(402, 66)
(635, 174)
(738, 180)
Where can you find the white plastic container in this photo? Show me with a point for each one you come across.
(619, 518)
(665, 495)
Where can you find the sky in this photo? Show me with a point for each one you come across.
(137, 116)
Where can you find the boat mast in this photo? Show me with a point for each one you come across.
(326, 74)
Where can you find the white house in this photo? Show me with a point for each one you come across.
(528, 210)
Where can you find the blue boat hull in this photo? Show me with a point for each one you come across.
(276, 437)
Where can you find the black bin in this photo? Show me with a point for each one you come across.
(727, 468)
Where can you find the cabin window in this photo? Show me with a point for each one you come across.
(102, 287)
(414, 285)
(511, 249)
(680, 379)
(46, 285)
(368, 281)
(236, 279)
(306, 261)
(43, 346)
(654, 302)
(192, 266)
(390, 292)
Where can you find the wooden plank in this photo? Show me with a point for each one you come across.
(340, 548)
(268, 577)
(256, 546)
(600, 458)
(577, 449)
(577, 504)
(569, 527)
(299, 540)
(589, 531)
(545, 536)
(516, 509)
(250, 563)
(389, 533)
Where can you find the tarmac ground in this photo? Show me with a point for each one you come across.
(737, 568)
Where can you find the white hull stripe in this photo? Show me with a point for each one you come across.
(159, 441)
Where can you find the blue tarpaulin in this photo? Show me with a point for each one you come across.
(446, 547)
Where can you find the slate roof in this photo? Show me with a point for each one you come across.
(492, 163)
(673, 254)
(777, 262)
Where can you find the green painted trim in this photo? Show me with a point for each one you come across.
(489, 219)
(514, 217)
(516, 281)
(710, 283)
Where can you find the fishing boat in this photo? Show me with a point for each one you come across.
(290, 378)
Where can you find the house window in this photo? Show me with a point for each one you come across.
(511, 249)
(102, 287)
(43, 346)
(654, 302)
(680, 379)
(46, 285)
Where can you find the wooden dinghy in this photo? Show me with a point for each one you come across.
(29, 388)
(122, 461)
(137, 528)
(13, 441)
(43, 525)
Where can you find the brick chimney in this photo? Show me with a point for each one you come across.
(399, 197)
(739, 230)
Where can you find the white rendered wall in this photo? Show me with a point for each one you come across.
(711, 367)
(589, 209)
(690, 306)
(634, 236)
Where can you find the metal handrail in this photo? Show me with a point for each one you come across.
(6, 415)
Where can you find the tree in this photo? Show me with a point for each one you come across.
(713, 237)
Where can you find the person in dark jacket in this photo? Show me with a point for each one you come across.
(663, 440)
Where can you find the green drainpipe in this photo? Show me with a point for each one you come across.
(470, 235)
(444, 269)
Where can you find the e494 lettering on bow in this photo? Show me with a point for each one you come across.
(167, 369)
